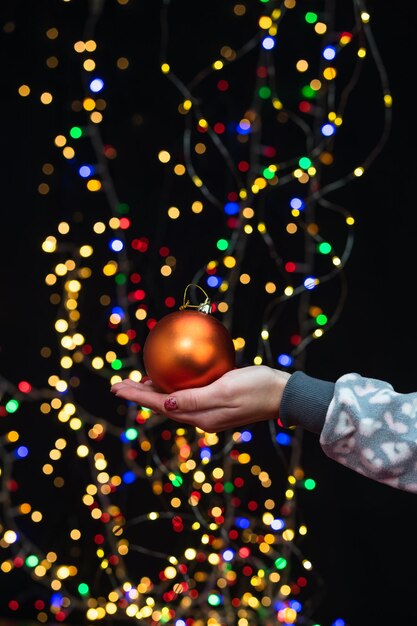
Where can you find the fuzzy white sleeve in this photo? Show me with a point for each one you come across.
(372, 429)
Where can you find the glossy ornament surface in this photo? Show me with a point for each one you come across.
(187, 349)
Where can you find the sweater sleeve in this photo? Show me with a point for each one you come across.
(363, 424)
(372, 429)
(305, 402)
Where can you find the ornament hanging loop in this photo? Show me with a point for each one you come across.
(204, 307)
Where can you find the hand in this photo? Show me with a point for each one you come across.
(240, 397)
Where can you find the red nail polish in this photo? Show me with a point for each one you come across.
(170, 404)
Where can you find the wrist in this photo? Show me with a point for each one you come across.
(280, 382)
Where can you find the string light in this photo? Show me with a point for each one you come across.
(163, 525)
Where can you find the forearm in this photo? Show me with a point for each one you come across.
(363, 424)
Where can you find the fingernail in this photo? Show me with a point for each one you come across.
(170, 404)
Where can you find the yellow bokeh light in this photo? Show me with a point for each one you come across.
(86, 251)
(229, 261)
(179, 169)
(265, 22)
(52, 33)
(173, 212)
(97, 363)
(270, 287)
(122, 63)
(52, 62)
(68, 152)
(89, 65)
(93, 185)
(79, 46)
(302, 65)
(24, 91)
(329, 73)
(89, 104)
(49, 245)
(164, 156)
(13, 436)
(248, 212)
(197, 206)
(63, 228)
(46, 97)
(99, 228)
(200, 148)
(43, 189)
(239, 9)
(60, 141)
(82, 451)
(10, 537)
(96, 117)
(315, 84)
(166, 270)
(320, 28)
(239, 343)
(90, 45)
(66, 362)
(141, 313)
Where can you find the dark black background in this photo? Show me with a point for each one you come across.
(362, 534)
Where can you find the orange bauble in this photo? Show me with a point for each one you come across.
(187, 349)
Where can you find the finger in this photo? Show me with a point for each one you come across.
(128, 383)
(142, 395)
(211, 421)
(196, 399)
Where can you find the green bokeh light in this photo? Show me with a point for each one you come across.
(264, 93)
(310, 17)
(76, 132)
(32, 560)
(131, 434)
(321, 319)
(310, 484)
(177, 480)
(214, 599)
(324, 247)
(120, 279)
(222, 244)
(83, 589)
(308, 92)
(12, 406)
(305, 163)
(268, 174)
(123, 208)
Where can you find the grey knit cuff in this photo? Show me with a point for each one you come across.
(305, 402)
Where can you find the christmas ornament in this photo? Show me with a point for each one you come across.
(188, 348)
